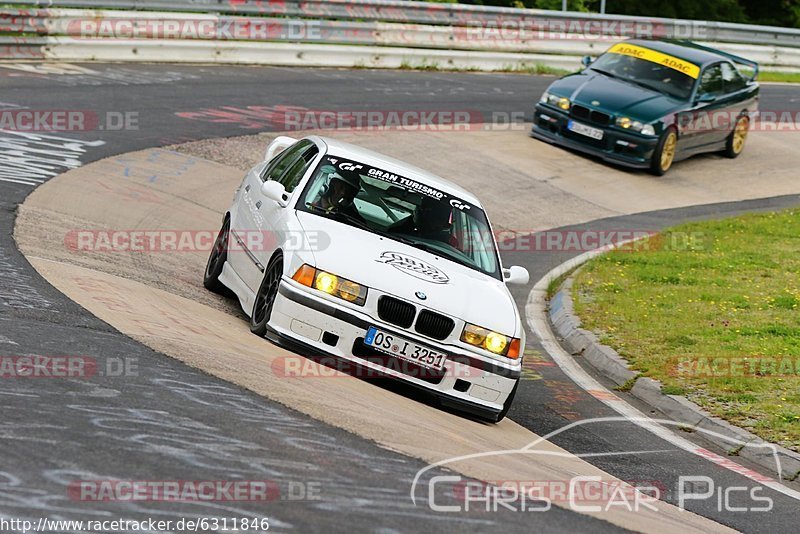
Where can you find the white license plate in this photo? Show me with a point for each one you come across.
(588, 131)
(404, 349)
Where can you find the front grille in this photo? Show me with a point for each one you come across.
(396, 311)
(434, 325)
(583, 113)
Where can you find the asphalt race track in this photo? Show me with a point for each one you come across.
(171, 421)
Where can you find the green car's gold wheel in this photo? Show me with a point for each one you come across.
(664, 154)
(735, 143)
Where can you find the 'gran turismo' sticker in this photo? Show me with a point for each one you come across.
(414, 266)
(407, 183)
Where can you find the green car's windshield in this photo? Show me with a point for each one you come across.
(402, 209)
(645, 73)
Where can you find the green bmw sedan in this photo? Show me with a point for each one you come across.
(647, 104)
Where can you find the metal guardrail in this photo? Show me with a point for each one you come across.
(456, 15)
(152, 25)
(417, 26)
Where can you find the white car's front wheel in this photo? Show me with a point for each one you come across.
(265, 298)
(508, 403)
(216, 261)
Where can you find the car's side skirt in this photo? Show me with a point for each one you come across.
(249, 253)
(233, 281)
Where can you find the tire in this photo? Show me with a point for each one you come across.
(508, 403)
(265, 297)
(735, 143)
(496, 418)
(216, 261)
(664, 154)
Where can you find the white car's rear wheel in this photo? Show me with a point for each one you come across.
(265, 297)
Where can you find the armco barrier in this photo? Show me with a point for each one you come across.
(513, 38)
(290, 54)
(149, 25)
(22, 48)
(453, 15)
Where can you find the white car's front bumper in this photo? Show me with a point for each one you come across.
(469, 382)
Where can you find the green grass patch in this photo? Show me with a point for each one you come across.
(771, 76)
(536, 68)
(628, 385)
(555, 284)
(712, 310)
(426, 65)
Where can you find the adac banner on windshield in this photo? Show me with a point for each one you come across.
(687, 68)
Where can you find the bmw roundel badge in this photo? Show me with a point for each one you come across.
(420, 295)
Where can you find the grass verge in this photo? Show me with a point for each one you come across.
(712, 310)
(787, 77)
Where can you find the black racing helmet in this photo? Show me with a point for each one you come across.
(352, 185)
(433, 214)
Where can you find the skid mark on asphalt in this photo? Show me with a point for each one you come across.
(78, 75)
(33, 158)
(17, 290)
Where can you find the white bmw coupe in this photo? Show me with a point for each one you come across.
(345, 252)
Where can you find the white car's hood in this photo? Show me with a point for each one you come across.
(401, 270)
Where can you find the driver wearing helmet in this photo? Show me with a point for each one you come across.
(339, 194)
(434, 220)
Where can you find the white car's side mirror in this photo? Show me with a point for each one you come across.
(275, 191)
(516, 275)
(278, 145)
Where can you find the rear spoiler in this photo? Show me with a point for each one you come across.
(736, 59)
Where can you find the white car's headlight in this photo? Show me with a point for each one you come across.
(557, 101)
(494, 342)
(331, 284)
(637, 126)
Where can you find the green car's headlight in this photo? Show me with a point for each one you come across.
(637, 126)
(557, 101)
(648, 129)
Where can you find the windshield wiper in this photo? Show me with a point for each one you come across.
(355, 221)
(604, 72)
(341, 215)
(434, 250)
(624, 79)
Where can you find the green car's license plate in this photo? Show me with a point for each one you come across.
(588, 131)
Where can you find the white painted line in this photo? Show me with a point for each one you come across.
(4, 339)
(535, 312)
(23, 182)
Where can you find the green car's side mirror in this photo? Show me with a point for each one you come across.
(706, 98)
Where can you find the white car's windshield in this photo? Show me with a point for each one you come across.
(402, 209)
